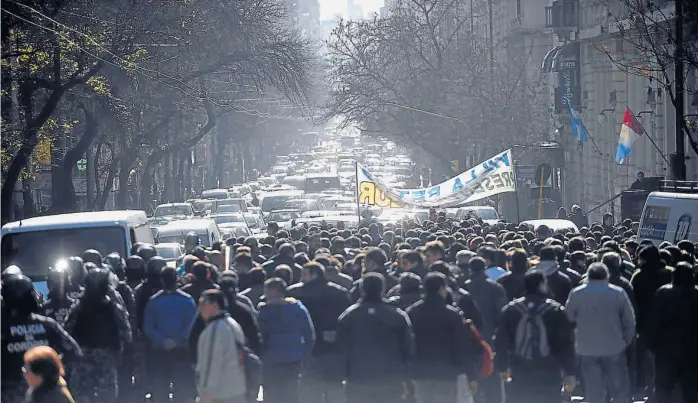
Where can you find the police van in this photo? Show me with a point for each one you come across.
(668, 214)
(35, 244)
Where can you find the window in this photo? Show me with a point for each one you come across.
(55, 244)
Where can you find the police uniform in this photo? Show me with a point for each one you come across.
(57, 309)
(19, 334)
(102, 328)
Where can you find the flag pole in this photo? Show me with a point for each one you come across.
(648, 136)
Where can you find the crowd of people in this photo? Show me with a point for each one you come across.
(440, 312)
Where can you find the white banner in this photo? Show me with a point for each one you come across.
(491, 177)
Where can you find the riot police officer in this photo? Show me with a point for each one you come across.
(102, 328)
(22, 329)
(59, 302)
(77, 276)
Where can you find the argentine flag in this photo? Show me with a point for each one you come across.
(578, 128)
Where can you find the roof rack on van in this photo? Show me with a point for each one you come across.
(670, 185)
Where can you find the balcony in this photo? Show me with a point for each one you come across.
(563, 14)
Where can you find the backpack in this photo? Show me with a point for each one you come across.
(252, 366)
(487, 353)
(531, 340)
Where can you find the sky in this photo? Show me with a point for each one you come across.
(330, 8)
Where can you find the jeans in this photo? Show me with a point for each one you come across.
(280, 382)
(529, 385)
(435, 390)
(321, 381)
(378, 392)
(174, 366)
(606, 378)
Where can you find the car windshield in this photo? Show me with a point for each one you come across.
(179, 238)
(223, 219)
(163, 211)
(21, 248)
(228, 208)
(270, 203)
(241, 231)
(168, 253)
(252, 221)
(302, 205)
(283, 216)
(485, 214)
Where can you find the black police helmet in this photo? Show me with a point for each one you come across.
(147, 252)
(58, 274)
(92, 256)
(96, 281)
(155, 266)
(116, 263)
(17, 288)
(77, 269)
(11, 271)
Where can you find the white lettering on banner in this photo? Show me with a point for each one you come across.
(491, 177)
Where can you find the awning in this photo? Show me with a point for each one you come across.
(561, 58)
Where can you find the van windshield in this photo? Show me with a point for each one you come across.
(35, 251)
(179, 238)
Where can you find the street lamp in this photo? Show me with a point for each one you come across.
(612, 101)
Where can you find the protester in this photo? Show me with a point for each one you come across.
(440, 355)
(604, 327)
(534, 345)
(289, 337)
(44, 373)
(325, 301)
(220, 377)
(101, 327)
(672, 331)
(167, 320)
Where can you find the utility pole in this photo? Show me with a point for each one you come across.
(489, 6)
(679, 162)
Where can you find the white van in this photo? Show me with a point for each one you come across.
(35, 244)
(175, 231)
(215, 194)
(668, 216)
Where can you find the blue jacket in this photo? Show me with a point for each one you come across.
(287, 331)
(169, 315)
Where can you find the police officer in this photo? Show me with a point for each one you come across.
(102, 328)
(127, 368)
(135, 271)
(77, 276)
(92, 256)
(147, 252)
(149, 287)
(59, 302)
(22, 329)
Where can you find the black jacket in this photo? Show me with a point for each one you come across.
(19, 333)
(490, 298)
(254, 293)
(560, 338)
(335, 276)
(672, 325)
(559, 283)
(465, 302)
(270, 266)
(390, 282)
(646, 282)
(142, 293)
(375, 339)
(513, 284)
(325, 301)
(406, 293)
(442, 349)
(197, 287)
(58, 393)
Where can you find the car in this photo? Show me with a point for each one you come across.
(176, 210)
(237, 205)
(553, 223)
(284, 217)
(255, 222)
(176, 231)
(349, 221)
(215, 194)
(227, 218)
(303, 205)
(487, 213)
(275, 200)
(170, 251)
(235, 230)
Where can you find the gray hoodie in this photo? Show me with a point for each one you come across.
(603, 317)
